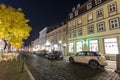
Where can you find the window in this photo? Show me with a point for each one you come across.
(79, 32)
(90, 16)
(74, 33)
(89, 5)
(114, 23)
(97, 2)
(100, 13)
(79, 21)
(93, 45)
(79, 46)
(112, 7)
(71, 15)
(76, 12)
(71, 47)
(73, 23)
(101, 27)
(111, 46)
(90, 29)
(69, 35)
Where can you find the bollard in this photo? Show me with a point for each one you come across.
(117, 63)
(23, 63)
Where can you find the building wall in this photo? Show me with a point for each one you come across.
(42, 38)
(55, 36)
(91, 29)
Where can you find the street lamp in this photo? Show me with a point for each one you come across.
(60, 45)
(65, 48)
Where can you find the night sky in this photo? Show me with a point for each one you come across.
(42, 13)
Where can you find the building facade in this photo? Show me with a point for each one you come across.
(42, 38)
(56, 38)
(95, 26)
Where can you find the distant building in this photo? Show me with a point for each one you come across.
(42, 38)
(95, 26)
(57, 39)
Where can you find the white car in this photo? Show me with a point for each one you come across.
(93, 59)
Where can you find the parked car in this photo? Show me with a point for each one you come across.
(55, 55)
(93, 59)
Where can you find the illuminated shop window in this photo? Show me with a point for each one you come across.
(111, 46)
(93, 45)
(71, 47)
(79, 46)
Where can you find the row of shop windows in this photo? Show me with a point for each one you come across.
(110, 46)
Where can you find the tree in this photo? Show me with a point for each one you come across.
(14, 26)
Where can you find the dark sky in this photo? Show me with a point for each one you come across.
(43, 13)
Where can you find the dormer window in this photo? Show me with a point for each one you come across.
(76, 12)
(71, 15)
(97, 2)
(89, 5)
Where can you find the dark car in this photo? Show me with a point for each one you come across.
(55, 55)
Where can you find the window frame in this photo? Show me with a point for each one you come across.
(112, 7)
(118, 23)
(89, 29)
(89, 5)
(99, 11)
(98, 2)
(98, 27)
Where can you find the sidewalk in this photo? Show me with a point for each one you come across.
(12, 71)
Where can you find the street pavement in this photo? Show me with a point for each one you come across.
(109, 73)
(44, 69)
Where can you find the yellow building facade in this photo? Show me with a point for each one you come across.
(95, 26)
(56, 38)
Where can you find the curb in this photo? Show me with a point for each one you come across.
(29, 73)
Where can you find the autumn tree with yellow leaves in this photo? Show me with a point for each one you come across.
(14, 26)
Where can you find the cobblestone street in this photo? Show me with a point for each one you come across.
(44, 69)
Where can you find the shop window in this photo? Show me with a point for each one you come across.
(79, 46)
(111, 46)
(93, 45)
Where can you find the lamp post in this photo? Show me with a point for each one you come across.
(64, 48)
(60, 45)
